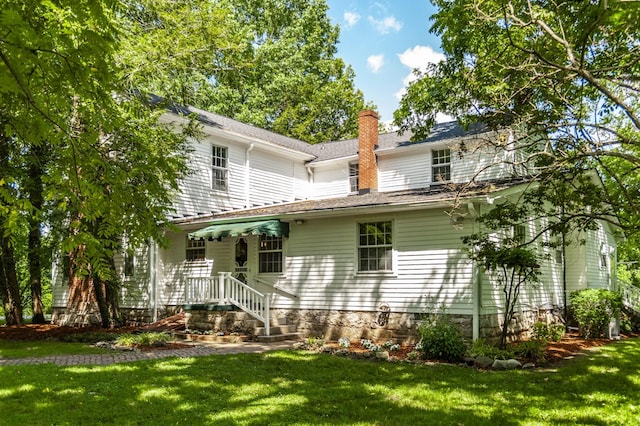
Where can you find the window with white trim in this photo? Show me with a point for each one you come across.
(519, 234)
(441, 165)
(219, 168)
(375, 248)
(129, 265)
(354, 173)
(195, 250)
(270, 254)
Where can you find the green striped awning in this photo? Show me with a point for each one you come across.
(273, 228)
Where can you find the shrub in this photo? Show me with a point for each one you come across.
(90, 337)
(344, 342)
(544, 332)
(593, 309)
(143, 339)
(441, 339)
(530, 349)
(481, 347)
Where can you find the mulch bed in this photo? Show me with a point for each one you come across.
(556, 352)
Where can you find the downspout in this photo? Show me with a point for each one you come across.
(247, 183)
(476, 277)
(153, 277)
(311, 177)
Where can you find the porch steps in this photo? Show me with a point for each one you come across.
(237, 319)
(280, 337)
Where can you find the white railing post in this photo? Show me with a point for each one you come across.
(221, 286)
(267, 314)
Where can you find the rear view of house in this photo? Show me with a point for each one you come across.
(355, 238)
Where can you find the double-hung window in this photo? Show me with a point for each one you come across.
(219, 168)
(519, 234)
(129, 265)
(375, 248)
(441, 165)
(353, 177)
(195, 250)
(270, 254)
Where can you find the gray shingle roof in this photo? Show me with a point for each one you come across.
(440, 132)
(433, 195)
(326, 150)
(235, 126)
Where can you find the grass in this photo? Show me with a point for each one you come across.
(14, 349)
(288, 387)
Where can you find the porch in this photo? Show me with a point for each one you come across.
(223, 292)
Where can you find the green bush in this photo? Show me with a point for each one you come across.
(90, 337)
(143, 339)
(545, 332)
(481, 347)
(593, 309)
(530, 349)
(441, 339)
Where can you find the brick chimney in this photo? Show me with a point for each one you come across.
(367, 143)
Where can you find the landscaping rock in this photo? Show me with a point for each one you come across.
(383, 355)
(469, 361)
(483, 362)
(528, 366)
(509, 364)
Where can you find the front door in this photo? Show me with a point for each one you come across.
(243, 249)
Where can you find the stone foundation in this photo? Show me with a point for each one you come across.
(333, 325)
(521, 326)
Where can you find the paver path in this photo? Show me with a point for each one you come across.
(117, 357)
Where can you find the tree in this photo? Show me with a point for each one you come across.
(511, 264)
(565, 76)
(268, 63)
(62, 87)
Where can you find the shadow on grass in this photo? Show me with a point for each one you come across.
(294, 387)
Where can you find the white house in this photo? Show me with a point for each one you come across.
(350, 238)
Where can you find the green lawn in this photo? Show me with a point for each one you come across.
(14, 349)
(288, 387)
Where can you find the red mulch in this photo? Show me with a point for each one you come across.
(556, 352)
(52, 332)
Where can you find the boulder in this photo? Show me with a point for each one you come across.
(509, 364)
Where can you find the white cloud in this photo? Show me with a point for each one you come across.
(351, 18)
(419, 58)
(375, 62)
(386, 25)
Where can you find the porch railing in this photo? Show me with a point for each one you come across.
(630, 295)
(226, 289)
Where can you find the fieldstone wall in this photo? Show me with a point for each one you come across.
(225, 321)
(520, 327)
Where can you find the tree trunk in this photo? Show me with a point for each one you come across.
(35, 188)
(82, 305)
(107, 297)
(9, 288)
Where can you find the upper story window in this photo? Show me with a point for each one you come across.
(129, 265)
(195, 250)
(353, 177)
(375, 248)
(519, 234)
(270, 254)
(441, 165)
(219, 168)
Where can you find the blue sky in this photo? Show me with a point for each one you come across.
(383, 40)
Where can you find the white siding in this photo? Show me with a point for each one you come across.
(431, 268)
(273, 180)
(407, 171)
(269, 179)
(331, 181)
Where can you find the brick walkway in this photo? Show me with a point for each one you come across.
(130, 356)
